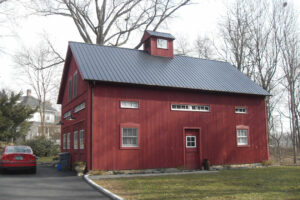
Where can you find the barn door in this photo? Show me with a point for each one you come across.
(192, 153)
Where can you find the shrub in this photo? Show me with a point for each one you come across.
(42, 147)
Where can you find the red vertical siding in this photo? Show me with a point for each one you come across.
(161, 140)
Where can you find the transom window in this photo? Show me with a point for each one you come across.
(79, 107)
(242, 137)
(185, 107)
(75, 139)
(240, 110)
(129, 137)
(129, 104)
(162, 43)
(67, 114)
(81, 139)
(191, 141)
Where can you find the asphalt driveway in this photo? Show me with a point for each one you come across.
(48, 183)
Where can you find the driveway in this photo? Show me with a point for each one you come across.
(48, 183)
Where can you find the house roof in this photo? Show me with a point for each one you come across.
(160, 34)
(34, 103)
(120, 65)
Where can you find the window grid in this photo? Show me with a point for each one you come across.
(242, 137)
(162, 44)
(67, 114)
(81, 141)
(185, 107)
(75, 139)
(79, 107)
(191, 141)
(129, 104)
(129, 137)
(240, 110)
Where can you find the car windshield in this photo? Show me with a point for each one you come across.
(18, 149)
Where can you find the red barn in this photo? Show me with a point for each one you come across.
(138, 109)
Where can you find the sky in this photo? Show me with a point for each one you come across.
(190, 21)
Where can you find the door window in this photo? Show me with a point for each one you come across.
(191, 141)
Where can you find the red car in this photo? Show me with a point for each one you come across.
(18, 157)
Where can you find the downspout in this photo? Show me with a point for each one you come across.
(91, 131)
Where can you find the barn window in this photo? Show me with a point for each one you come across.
(185, 107)
(242, 137)
(129, 104)
(64, 141)
(81, 139)
(75, 82)
(162, 44)
(75, 142)
(79, 107)
(129, 137)
(68, 140)
(70, 90)
(241, 110)
(191, 141)
(67, 114)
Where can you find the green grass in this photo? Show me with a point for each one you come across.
(245, 184)
(45, 159)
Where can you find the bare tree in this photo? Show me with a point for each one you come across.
(182, 46)
(290, 50)
(111, 22)
(34, 64)
(235, 36)
(204, 47)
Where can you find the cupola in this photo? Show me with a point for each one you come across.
(158, 44)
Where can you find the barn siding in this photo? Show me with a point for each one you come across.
(161, 130)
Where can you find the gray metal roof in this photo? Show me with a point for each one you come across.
(160, 34)
(32, 102)
(120, 65)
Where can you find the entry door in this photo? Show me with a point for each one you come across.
(192, 153)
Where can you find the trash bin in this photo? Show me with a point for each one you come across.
(64, 161)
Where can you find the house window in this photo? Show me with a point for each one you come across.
(64, 141)
(129, 137)
(79, 107)
(68, 140)
(67, 114)
(70, 90)
(129, 104)
(241, 110)
(162, 44)
(75, 82)
(190, 141)
(81, 139)
(75, 135)
(242, 137)
(185, 107)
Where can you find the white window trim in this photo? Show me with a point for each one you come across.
(64, 141)
(68, 140)
(237, 137)
(160, 43)
(237, 110)
(137, 137)
(124, 104)
(186, 141)
(190, 108)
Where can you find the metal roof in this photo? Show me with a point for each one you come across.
(120, 65)
(160, 34)
(33, 102)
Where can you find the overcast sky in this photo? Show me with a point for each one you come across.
(199, 19)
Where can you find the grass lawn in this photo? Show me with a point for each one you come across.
(262, 183)
(45, 159)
